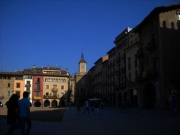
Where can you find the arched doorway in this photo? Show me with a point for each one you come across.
(46, 103)
(125, 96)
(149, 96)
(37, 104)
(62, 103)
(54, 103)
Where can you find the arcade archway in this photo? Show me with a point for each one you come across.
(54, 103)
(149, 96)
(37, 104)
(46, 103)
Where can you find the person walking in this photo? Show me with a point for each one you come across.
(87, 107)
(96, 107)
(123, 106)
(24, 109)
(12, 113)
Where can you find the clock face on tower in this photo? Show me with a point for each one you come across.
(82, 66)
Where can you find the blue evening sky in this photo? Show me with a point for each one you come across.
(53, 32)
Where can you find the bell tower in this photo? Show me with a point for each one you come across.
(82, 64)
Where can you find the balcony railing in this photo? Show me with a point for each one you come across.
(28, 91)
(54, 89)
(51, 97)
(37, 98)
(37, 90)
(123, 56)
(27, 85)
(37, 82)
(148, 74)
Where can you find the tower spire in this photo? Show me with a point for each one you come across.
(82, 56)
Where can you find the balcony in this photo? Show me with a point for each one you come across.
(139, 53)
(37, 82)
(123, 56)
(118, 59)
(27, 85)
(54, 89)
(37, 90)
(28, 91)
(152, 45)
(151, 73)
(51, 97)
(37, 98)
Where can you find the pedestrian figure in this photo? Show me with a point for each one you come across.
(102, 104)
(87, 107)
(173, 105)
(79, 107)
(24, 108)
(96, 107)
(12, 113)
(123, 106)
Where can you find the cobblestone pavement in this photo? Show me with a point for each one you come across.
(110, 121)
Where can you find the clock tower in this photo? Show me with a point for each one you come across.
(82, 64)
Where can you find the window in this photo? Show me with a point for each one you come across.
(54, 86)
(28, 82)
(136, 75)
(8, 84)
(129, 77)
(18, 93)
(47, 86)
(129, 63)
(9, 93)
(62, 87)
(135, 60)
(47, 93)
(17, 85)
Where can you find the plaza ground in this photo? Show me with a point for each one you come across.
(110, 121)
